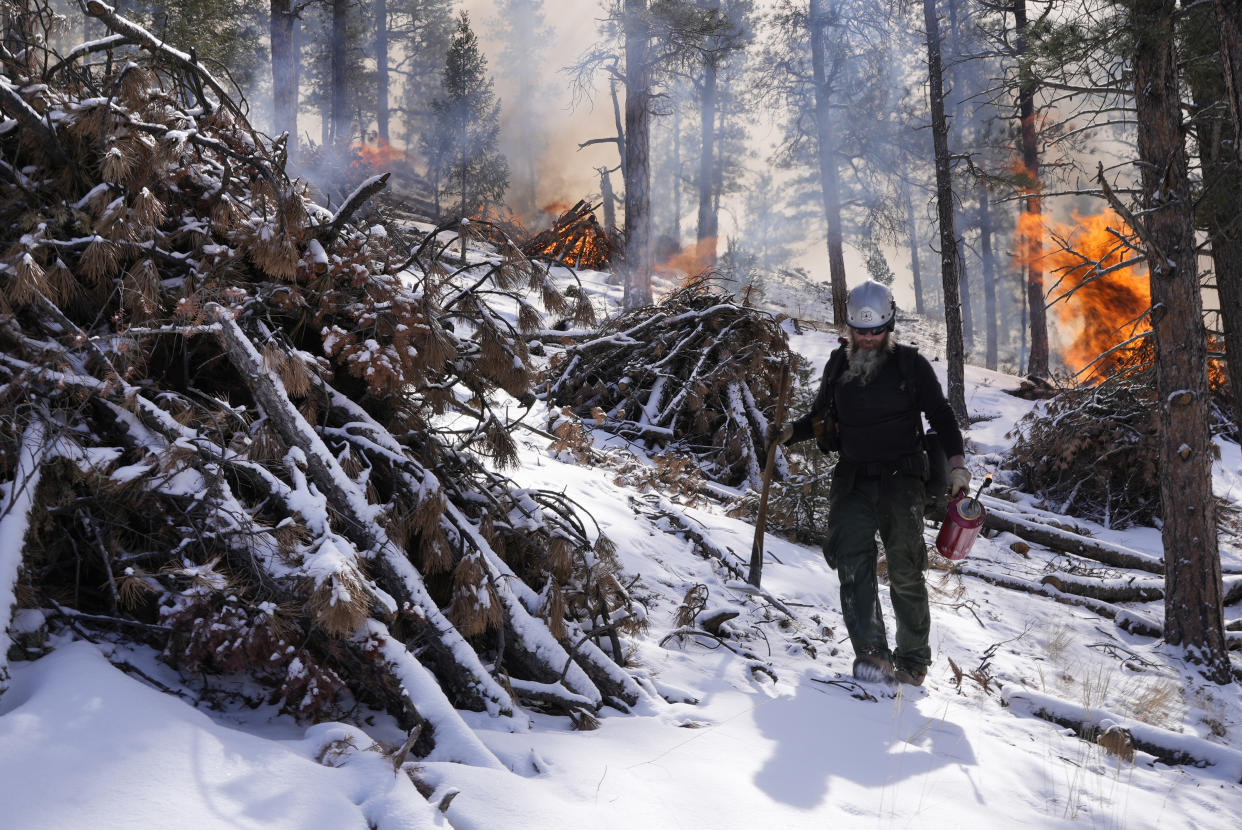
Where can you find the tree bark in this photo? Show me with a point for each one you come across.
(950, 262)
(1218, 211)
(829, 178)
(1031, 234)
(637, 156)
(919, 306)
(339, 113)
(1194, 616)
(284, 74)
(1229, 20)
(705, 247)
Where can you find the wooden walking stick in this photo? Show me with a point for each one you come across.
(761, 521)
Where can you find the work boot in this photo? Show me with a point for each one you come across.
(910, 675)
(873, 668)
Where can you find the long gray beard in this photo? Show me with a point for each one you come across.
(865, 365)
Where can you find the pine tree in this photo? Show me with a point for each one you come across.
(1193, 615)
(463, 162)
(418, 39)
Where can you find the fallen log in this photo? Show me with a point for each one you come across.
(1126, 620)
(1131, 589)
(1093, 724)
(1063, 541)
(1233, 590)
(17, 500)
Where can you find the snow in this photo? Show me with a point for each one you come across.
(84, 745)
(762, 729)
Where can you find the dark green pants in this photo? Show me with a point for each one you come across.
(892, 504)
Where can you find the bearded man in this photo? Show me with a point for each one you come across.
(870, 409)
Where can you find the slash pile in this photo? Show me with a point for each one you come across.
(223, 418)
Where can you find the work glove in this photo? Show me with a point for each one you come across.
(780, 436)
(959, 481)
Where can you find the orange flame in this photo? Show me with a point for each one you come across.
(1105, 301)
(688, 263)
(376, 156)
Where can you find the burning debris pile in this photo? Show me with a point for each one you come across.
(221, 415)
(1092, 451)
(697, 373)
(576, 239)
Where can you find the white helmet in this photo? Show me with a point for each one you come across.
(870, 306)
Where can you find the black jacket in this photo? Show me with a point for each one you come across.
(882, 421)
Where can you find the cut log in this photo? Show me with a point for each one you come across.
(17, 500)
(1169, 747)
(1063, 541)
(1133, 589)
(1126, 620)
(1233, 589)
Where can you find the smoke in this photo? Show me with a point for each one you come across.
(542, 128)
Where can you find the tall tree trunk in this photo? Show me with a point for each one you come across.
(914, 246)
(284, 74)
(705, 241)
(677, 175)
(340, 133)
(608, 198)
(1194, 613)
(1229, 21)
(829, 179)
(989, 278)
(637, 156)
(1218, 211)
(618, 123)
(955, 78)
(950, 268)
(1031, 232)
(381, 70)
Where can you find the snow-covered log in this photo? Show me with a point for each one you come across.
(1127, 620)
(1097, 725)
(17, 503)
(1128, 589)
(1118, 556)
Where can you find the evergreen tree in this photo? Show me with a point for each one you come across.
(225, 34)
(463, 162)
(419, 32)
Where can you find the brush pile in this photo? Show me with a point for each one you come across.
(240, 429)
(1092, 451)
(576, 239)
(696, 374)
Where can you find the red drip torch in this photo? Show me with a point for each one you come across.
(962, 523)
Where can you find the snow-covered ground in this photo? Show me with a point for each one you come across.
(763, 729)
